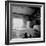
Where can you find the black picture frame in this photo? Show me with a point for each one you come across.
(7, 22)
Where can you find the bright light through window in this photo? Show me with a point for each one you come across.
(17, 23)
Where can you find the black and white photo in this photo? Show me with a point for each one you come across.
(24, 22)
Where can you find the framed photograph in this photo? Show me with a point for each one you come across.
(24, 22)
